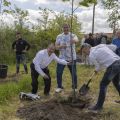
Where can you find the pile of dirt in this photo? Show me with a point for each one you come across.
(55, 109)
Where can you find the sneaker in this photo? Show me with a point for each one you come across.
(58, 90)
(76, 90)
(95, 108)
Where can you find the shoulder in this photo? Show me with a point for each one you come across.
(41, 52)
(60, 35)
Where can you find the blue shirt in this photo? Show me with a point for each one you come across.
(116, 42)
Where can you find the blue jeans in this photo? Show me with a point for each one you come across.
(112, 74)
(59, 71)
(21, 58)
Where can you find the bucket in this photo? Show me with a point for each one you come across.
(3, 70)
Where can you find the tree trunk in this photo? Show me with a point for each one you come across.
(93, 18)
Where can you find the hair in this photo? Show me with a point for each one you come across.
(51, 44)
(65, 24)
(18, 33)
(85, 45)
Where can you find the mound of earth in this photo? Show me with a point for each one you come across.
(58, 109)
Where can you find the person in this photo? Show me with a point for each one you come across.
(39, 66)
(64, 43)
(90, 40)
(111, 63)
(20, 46)
(116, 41)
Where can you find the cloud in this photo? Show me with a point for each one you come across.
(84, 13)
(86, 16)
(22, 1)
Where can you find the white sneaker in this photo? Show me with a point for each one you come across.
(58, 90)
(76, 90)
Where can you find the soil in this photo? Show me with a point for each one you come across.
(58, 108)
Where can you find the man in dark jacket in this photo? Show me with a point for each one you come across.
(20, 46)
(90, 40)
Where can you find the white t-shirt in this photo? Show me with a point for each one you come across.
(65, 53)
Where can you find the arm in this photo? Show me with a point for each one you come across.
(27, 46)
(61, 61)
(13, 45)
(57, 43)
(37, 61)
(74, 39)
(39, 70)
(94, 61)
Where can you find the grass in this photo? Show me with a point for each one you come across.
(9, 100)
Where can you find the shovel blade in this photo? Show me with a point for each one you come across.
(84, 90)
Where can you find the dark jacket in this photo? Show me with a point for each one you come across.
(90, 41)
(20, 45)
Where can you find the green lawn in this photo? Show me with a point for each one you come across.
(9, 91)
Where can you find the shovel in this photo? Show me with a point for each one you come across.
(85, 87)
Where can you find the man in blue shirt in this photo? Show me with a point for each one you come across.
(116, 41)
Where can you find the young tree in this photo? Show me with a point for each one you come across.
(87, 3)
(20, 17)
(114, 13)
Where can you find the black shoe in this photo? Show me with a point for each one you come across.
(95, 108)
(117, 101)
(47, 94)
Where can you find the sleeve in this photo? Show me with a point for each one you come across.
(27, 45)
(58, 39)
(75, 38)
(37, 65)
(61, 61)
(94, 62)
(113, 41)
(13, 45)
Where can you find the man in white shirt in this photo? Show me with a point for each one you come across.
(39, 66)
(63, 43)
(103, 57)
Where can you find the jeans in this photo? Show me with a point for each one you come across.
(21, 58)
(34, 76)
(112, 74)
(59, 72)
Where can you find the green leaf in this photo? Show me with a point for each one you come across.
(6, 3)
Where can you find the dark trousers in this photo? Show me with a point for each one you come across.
(21, 58)
(112, 74)
(59, 71)
(34, 76)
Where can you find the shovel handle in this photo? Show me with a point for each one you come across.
(90, 78)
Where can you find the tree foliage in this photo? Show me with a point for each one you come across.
(114, 13)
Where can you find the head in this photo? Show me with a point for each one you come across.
(90, 35)
(18, 35)
(51, 48)
(86, 48)
(118, 33)
(66, 28)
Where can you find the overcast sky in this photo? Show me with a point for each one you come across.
(84, 14)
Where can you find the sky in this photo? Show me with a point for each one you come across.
(84, 14)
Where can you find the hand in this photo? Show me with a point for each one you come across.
(45, 77)
(96, 72)
(69, 63)
(72, 41)
(63, 46)
(24, 51)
